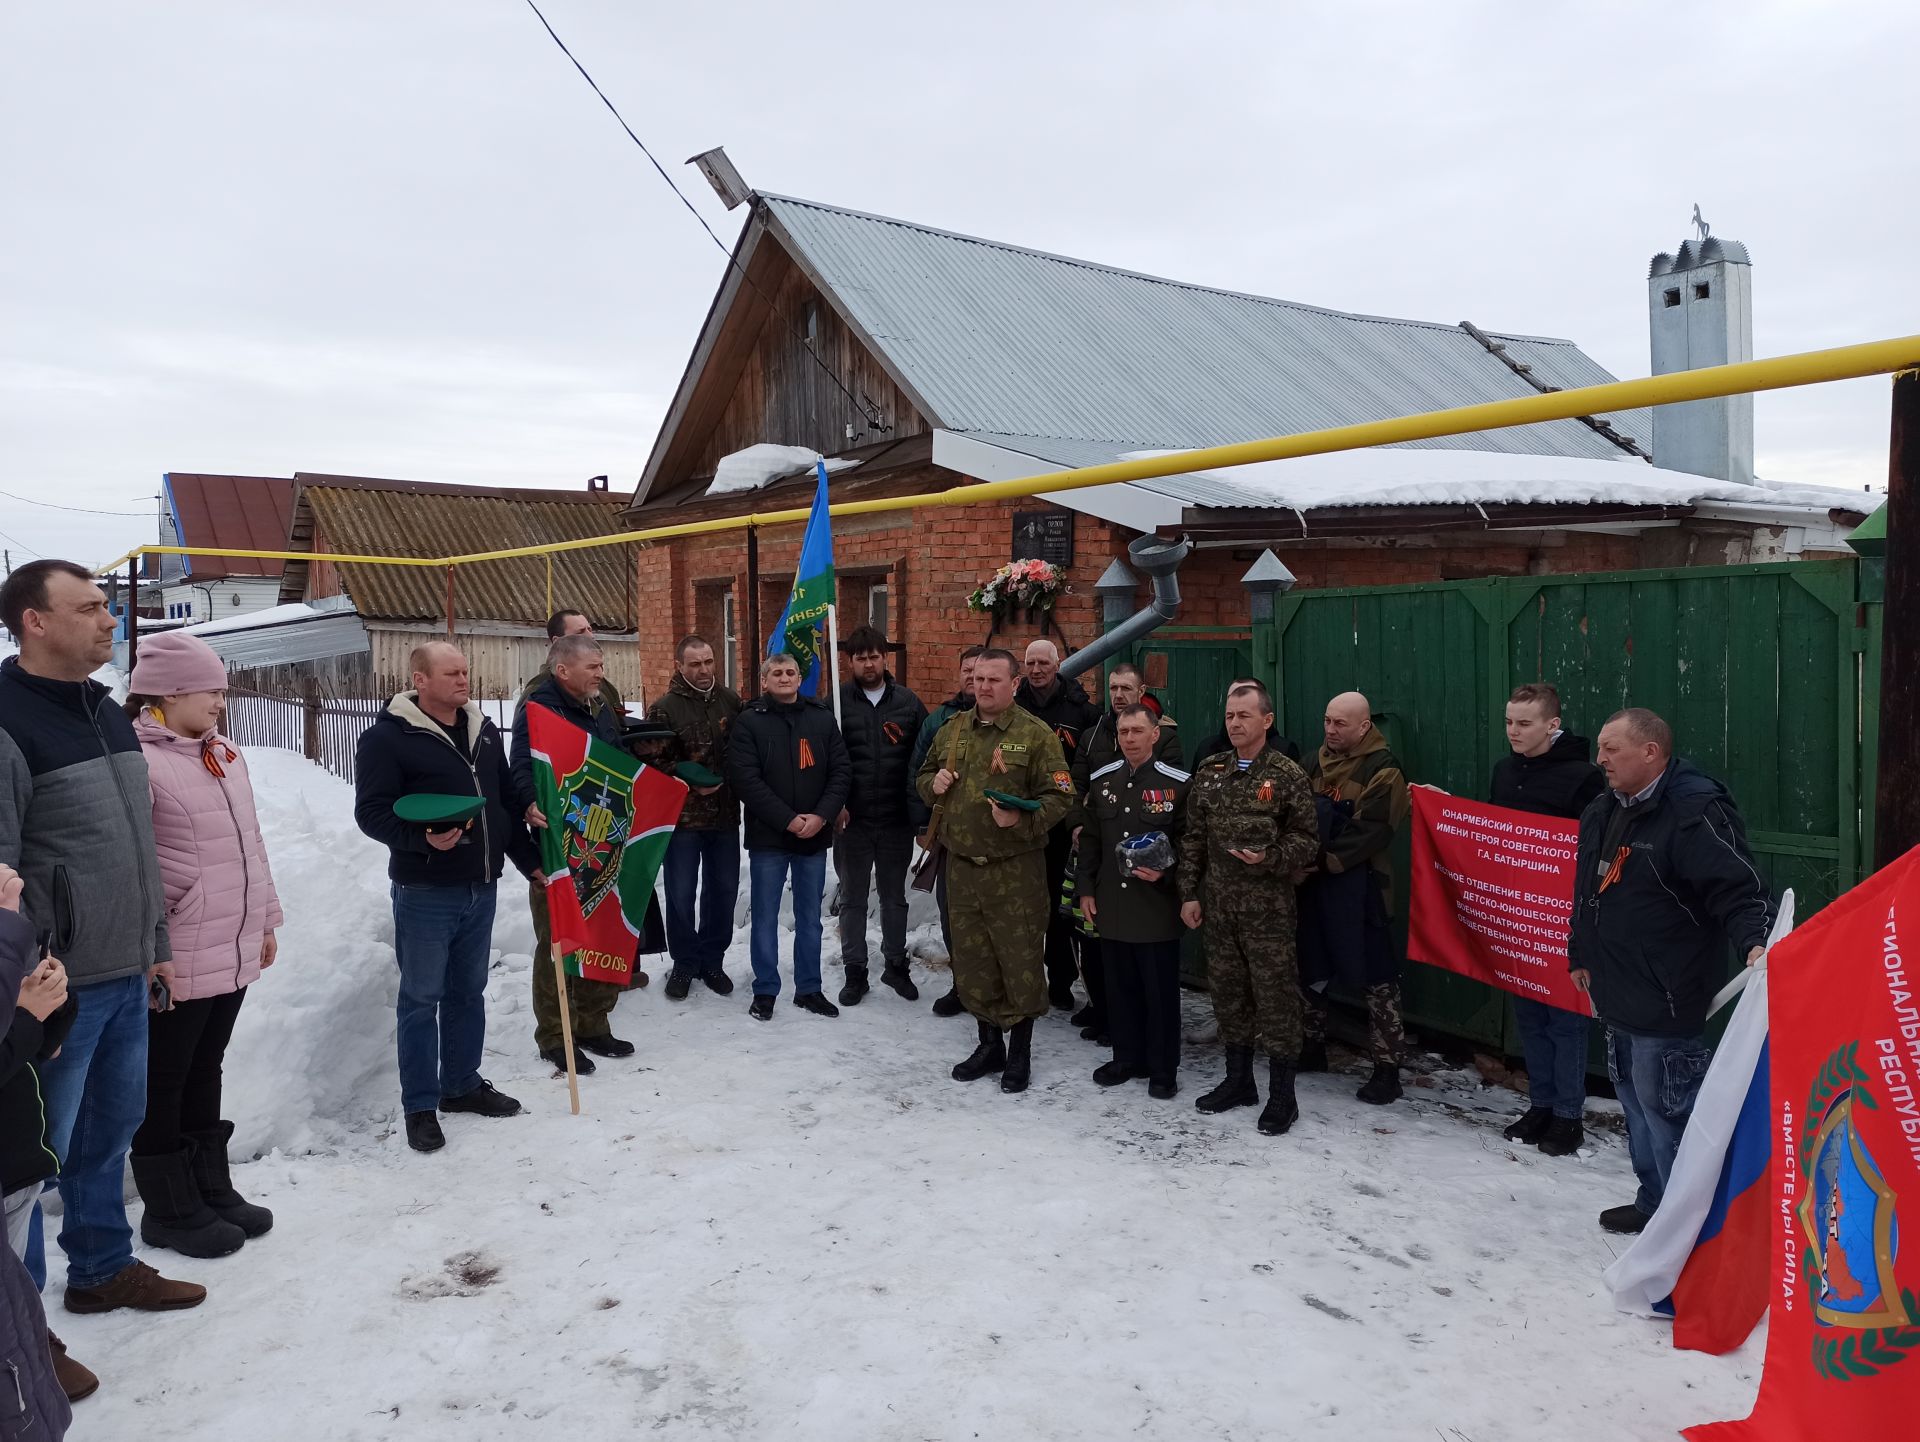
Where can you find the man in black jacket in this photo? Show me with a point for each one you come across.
(76, 821)
(880, 720)
(572, 685)
(1663, 882)
(1064, 707)
(922, 814)
(789, 767)
(1549, 772)
(434, 741)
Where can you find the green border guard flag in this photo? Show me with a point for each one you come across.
(806, 614)
(609, 818)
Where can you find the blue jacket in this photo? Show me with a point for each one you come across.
(76, 821)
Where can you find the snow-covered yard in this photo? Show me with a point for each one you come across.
(805, 1229)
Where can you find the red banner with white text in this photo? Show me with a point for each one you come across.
(1493, 896)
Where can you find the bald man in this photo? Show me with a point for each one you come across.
(1347, 897)
(1063, 705)
(434, 740)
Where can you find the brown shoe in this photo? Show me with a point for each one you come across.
(137, 1286)
(640, 978)
(75, 1380)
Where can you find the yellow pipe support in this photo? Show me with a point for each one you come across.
(1851, 362)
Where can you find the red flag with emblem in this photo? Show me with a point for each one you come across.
(1843, 1340)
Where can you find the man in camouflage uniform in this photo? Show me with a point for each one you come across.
(997, 894)
(1363, 802)
(1250, 827)
(1135, 908)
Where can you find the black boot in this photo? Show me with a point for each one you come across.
(207, 1164)
(176, 1216)
(856, 986)
(949, 1005)
(1383, 1086)
(1238, 1090)
(1282, 1109)
(989, 1056)
(1530, 1127)
(1019, 1057)
(606, 1044)
(1563, 1137)
(679, 983)
(901, 980)
(556, 1057)
(1313, 1054)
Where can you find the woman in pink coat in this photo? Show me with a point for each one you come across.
(221, 916)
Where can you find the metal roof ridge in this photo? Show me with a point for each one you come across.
(1141, 275)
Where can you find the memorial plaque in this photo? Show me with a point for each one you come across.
(1043, 536)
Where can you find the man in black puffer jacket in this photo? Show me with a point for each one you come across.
(1064, 707)
(922, 814)
(434, 740)
(788, 765)
(1663, 882)
(880, 720)
(1549, 772)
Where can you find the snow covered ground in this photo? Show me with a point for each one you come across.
(805, 1229)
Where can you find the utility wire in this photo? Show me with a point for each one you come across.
(864, 407)
(22, 545)
(82, 510)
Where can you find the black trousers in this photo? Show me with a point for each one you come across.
(1063, 931)
(185, 1050)
(1143, 1004)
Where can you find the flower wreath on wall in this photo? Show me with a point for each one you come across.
(1031, 586)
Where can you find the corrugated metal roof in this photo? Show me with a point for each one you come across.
(415, 518)
(1017, 342)
(244, 513)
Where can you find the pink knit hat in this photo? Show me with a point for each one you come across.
(173, 663)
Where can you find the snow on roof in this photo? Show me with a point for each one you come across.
(271, 616)
(1401, 477)
(762, 464)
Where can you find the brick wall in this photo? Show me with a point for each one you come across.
(931, 559)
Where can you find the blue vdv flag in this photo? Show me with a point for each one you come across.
(805, 619)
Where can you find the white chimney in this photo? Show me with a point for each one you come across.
(1700, 313)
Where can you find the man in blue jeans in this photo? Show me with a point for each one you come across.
(1664, 881)
(76, 820)
(789, 766)
(434, 741)
(703, 855)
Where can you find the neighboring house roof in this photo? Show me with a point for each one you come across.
(996, 340)
(284, 635)
(362, 516)
(242, 513)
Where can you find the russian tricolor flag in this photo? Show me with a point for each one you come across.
(1703, 1259)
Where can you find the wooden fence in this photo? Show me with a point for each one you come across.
(324, 729)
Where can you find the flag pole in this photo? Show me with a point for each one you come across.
(566, 1029)
(833, 656)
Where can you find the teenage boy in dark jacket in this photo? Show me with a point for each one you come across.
(880, 721)
(36, 1405)
(789, 766)
(434, 740)
(1663, 882)
(1549, 772)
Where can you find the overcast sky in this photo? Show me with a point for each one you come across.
(402, 237)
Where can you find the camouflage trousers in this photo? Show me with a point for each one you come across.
(590, 1002)
(1253, 972)
(998, 913)
(1386, 1037)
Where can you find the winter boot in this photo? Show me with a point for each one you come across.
(679, 983)
(76, 1379)
(1117, 1073)
(761, 1008)
(1086, 1016)
(1627, 1221)
(1238, 1090)
(950, 1004)
(718, 982)
(901, 980)
(208, 1165)
(1383, 1086)
(556, 1057)
(606, 1044)
(1564, 1137)
(1313, 1054)
(1019, 1068)
(817, 1003)
(483, 1101)
(856, 986)
(176, 1216)
(989, 1056)
(423, 1132)
(1283, 1108)
(1530, 1127)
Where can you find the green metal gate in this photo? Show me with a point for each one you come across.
(1759, 669)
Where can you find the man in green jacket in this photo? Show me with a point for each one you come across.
(998, 897)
